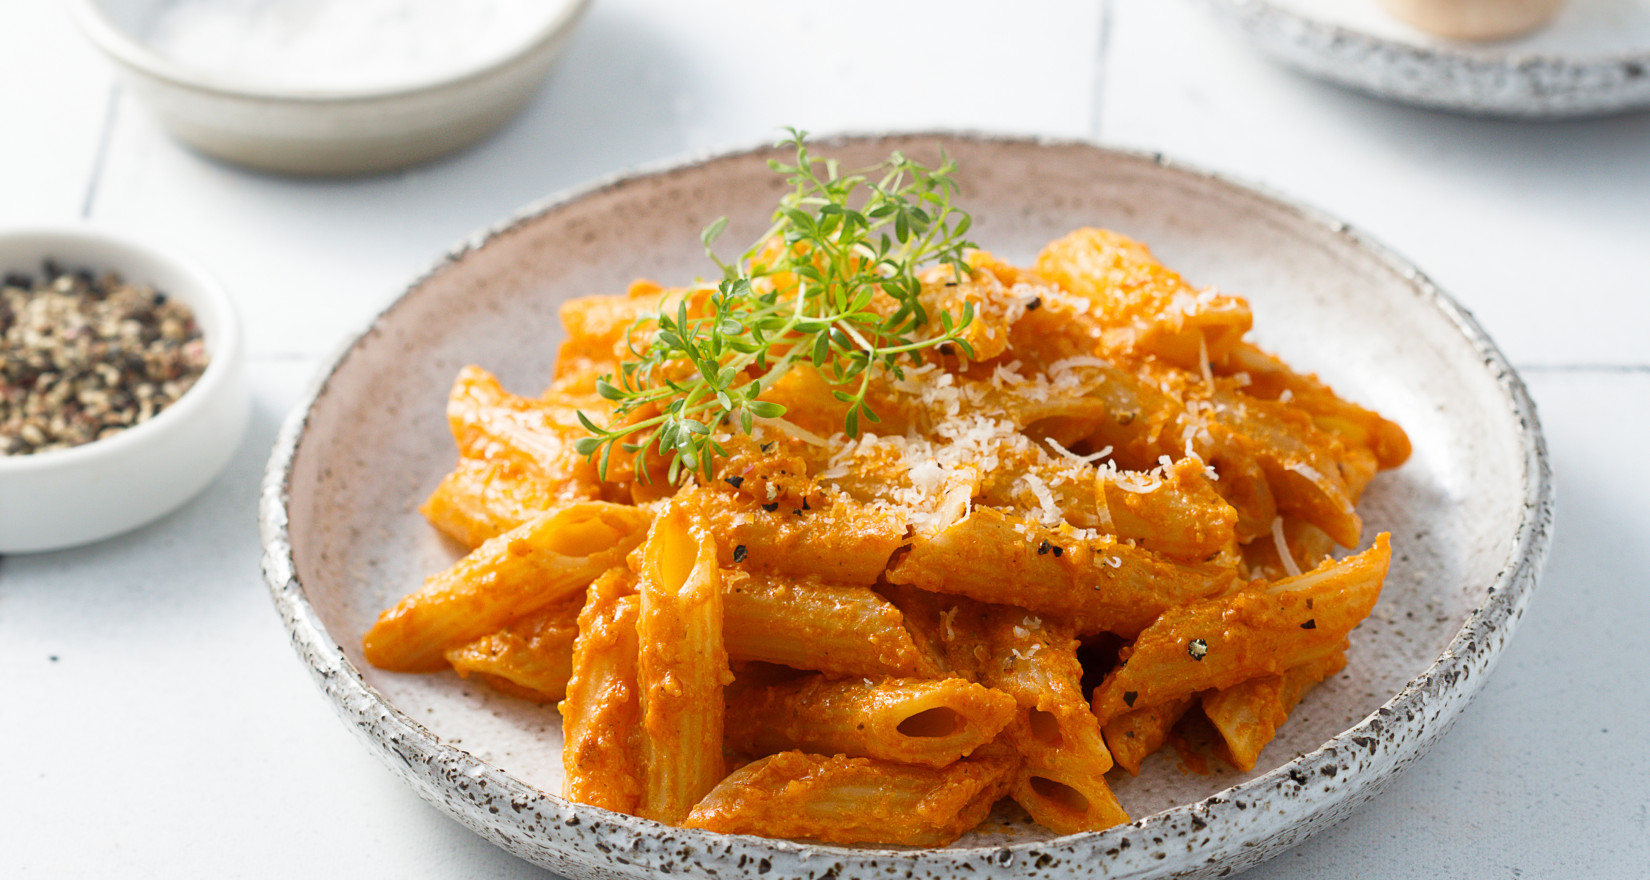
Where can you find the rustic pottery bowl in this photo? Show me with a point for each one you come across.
(1469, 513)
(65, 497)
(326, 130)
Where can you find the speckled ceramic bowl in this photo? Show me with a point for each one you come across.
(1469, 513)
(1593, 59)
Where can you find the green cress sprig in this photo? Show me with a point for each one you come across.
(847, 235)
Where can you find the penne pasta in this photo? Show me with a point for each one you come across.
(1302, 465)
(1135, 735)
(1248, 715)
(1138, 305)
(931, 723)
(1099, 583)
(1219, 643)
(849, 507)
(1066, 799)
(806, 624)
(539, 563)
(682, 665)
(1062, 780)
(1269, 378)
(1182, 517)
(947, 630)
(837, 539)
(602, 754)
(483, 499)
(846, 800)
(489, 423)
(531, 658)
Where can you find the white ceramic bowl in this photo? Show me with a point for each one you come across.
(325, 131)
(67, 497)
(1469, 513)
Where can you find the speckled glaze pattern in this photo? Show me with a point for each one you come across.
(1474, 514)
(1464, 79)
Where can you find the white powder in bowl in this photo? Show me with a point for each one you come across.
(344, 44)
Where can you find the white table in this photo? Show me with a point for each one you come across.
(154, 722)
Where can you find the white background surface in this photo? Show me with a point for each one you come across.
(154, 722)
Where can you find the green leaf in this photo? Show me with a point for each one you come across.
(713, 232)
(765, 409)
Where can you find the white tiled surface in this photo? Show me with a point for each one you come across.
(154, 722)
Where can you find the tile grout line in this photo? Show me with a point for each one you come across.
(1102, 55)
(106, 135)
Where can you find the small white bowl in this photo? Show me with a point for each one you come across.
(66, 497)
(325, 131)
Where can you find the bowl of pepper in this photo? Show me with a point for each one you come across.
(122, 388)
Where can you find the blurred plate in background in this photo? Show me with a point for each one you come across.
(1593, 59)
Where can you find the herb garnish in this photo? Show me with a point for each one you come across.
(806, 291)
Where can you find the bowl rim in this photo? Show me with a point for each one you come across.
(223, 340)
(1413, 718)
(136, 54)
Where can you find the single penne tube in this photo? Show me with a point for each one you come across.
(910, 721)
(1066, 799)
(1034, 661)
(1098, 583)
(1140, 306)
(537, 564)
(485, 497)
(531, 658)
(1271, 379)
(602, 750)
(1135, 735)
(1218, 643)
(1062, 780)
(682, 665)
(1181, 517)
(490, 423)
(1248, 715)
(838, 540)
(807, 624)
(846, 800)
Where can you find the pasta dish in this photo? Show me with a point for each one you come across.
(863, 538)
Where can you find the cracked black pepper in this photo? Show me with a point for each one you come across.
(85, 357)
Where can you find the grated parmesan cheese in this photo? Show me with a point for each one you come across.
(1284, 556)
